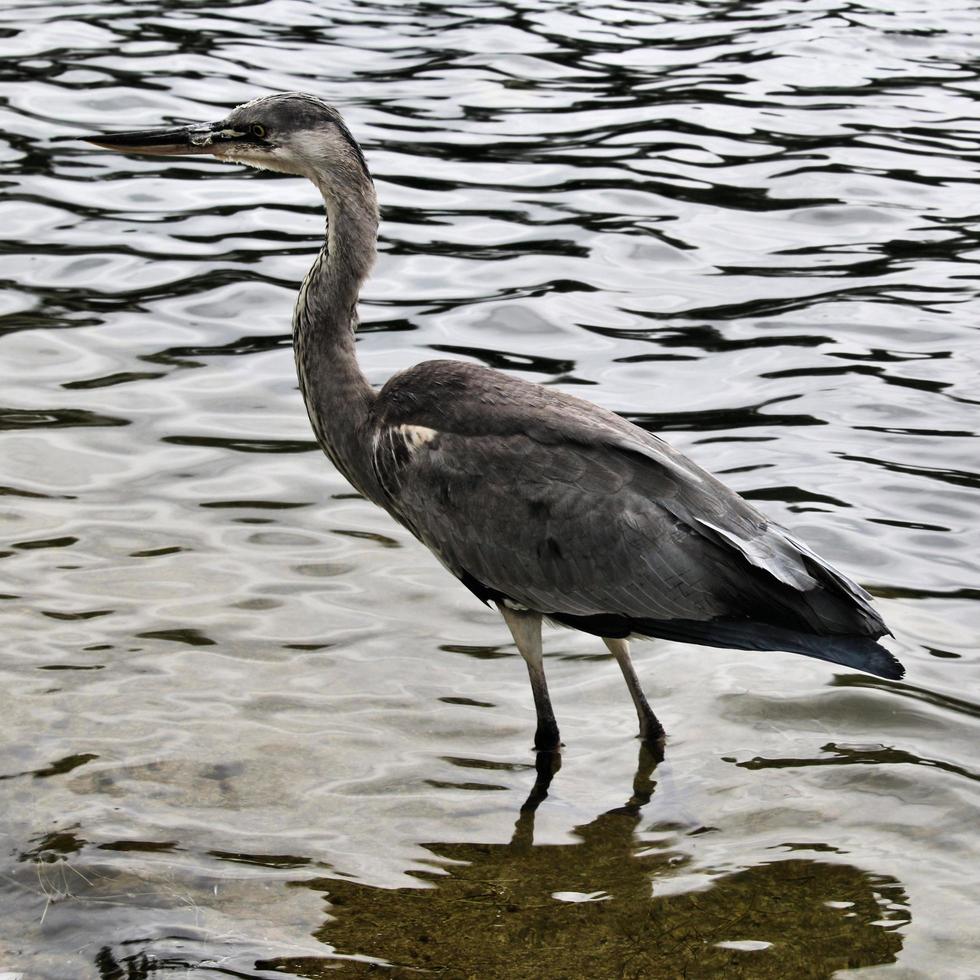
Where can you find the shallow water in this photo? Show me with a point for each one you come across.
(250, 727)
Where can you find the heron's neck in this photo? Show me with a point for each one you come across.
(337, 395)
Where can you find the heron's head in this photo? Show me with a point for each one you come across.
(290, 132)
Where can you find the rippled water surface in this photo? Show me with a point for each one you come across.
(250, 727)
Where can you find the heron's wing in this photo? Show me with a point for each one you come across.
(555, 529)
(572, 511)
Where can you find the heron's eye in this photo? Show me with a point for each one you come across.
(256, 130)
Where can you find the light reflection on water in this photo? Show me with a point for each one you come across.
(233, 690)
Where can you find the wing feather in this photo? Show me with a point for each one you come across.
(561, 529)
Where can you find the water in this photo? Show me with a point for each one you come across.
(250, 727)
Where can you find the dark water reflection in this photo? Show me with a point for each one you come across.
(233, 692)
(594, 908)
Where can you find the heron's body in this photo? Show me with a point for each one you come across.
(542, 503)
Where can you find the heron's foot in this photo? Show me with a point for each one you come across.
(546, 738)
(652, 733)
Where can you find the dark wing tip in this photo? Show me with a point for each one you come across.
(856, 652)
(886, 665)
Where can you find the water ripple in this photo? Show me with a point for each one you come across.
(751, 227)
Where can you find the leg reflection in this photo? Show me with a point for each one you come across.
(651, 755)
(548, 763)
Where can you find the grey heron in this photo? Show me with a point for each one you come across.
(546, 505)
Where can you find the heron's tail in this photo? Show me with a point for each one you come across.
(858, 652)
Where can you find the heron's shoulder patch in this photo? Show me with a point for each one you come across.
(395, 447)
(416, 436)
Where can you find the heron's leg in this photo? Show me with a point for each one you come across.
(650, 729)
(525, 627)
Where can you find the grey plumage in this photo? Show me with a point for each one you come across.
(545, 504)
(576, 513)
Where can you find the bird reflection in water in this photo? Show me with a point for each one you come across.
(591, 909)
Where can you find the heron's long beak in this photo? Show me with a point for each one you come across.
(200, 138)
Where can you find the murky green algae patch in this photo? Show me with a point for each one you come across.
(592, 909)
